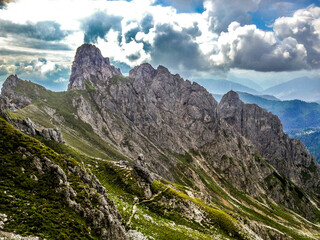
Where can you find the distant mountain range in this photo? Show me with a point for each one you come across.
(222, 86)
(246, 82)
(307, 89)
(304, 88)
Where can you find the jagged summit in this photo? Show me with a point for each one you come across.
(230, 97)
(10, 82)
(89, 65)
(145, 70)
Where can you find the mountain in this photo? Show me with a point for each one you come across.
(50, 195)
(310, 137)
(306, 89)
(294, 114)
(175, 163)
(245, 82)
(224, 86)
(300, 119)
(251, 98)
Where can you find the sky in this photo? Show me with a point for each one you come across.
(267, 41)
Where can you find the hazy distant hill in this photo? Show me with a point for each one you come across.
(221, 86)
(246, 82)
(294, 114)
(307, 89)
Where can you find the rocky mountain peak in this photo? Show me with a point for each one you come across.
(14, 100)
(89, 52)
(230, 98)
(143, 71)
(90, 67)
(229, 108)
(11, 82)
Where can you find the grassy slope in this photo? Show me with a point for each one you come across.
(149, 219)
(160, 221)
(75, 132)
(33, 206)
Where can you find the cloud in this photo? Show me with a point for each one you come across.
(220, 13)
(61, 80)
(147, 23)
(185, 6)
(304, 27)
(40, 44)
(131, 34)
(10, 52)
(44, 30)
(247, 47)
(4, 3)
(177, 50)
(98, 25)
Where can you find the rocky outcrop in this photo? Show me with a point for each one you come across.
(13, 236)
(102, 216)
(90, 66)
(264, 130)
(27, 126)
(174, 113)
(17, 101)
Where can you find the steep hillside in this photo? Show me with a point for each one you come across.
(300, 119)
(173, 160)
(50, 195)
(310, 137)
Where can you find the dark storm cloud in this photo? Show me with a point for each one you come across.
(45, 30)
(98, 25)
(303, 26)
(134, 57)
(131, 34)
(4, 3)
(176, 49)
(7, 52)
(193, 31)
(222, 12)
(250, 48)
(43, 45)
(147, 23)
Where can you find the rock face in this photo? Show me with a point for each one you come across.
(90, 66)
(180, 116)
(28, 126)
(264, 130)
(16, 101)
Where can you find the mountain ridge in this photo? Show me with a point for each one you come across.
(230, 155)
(304, 88)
